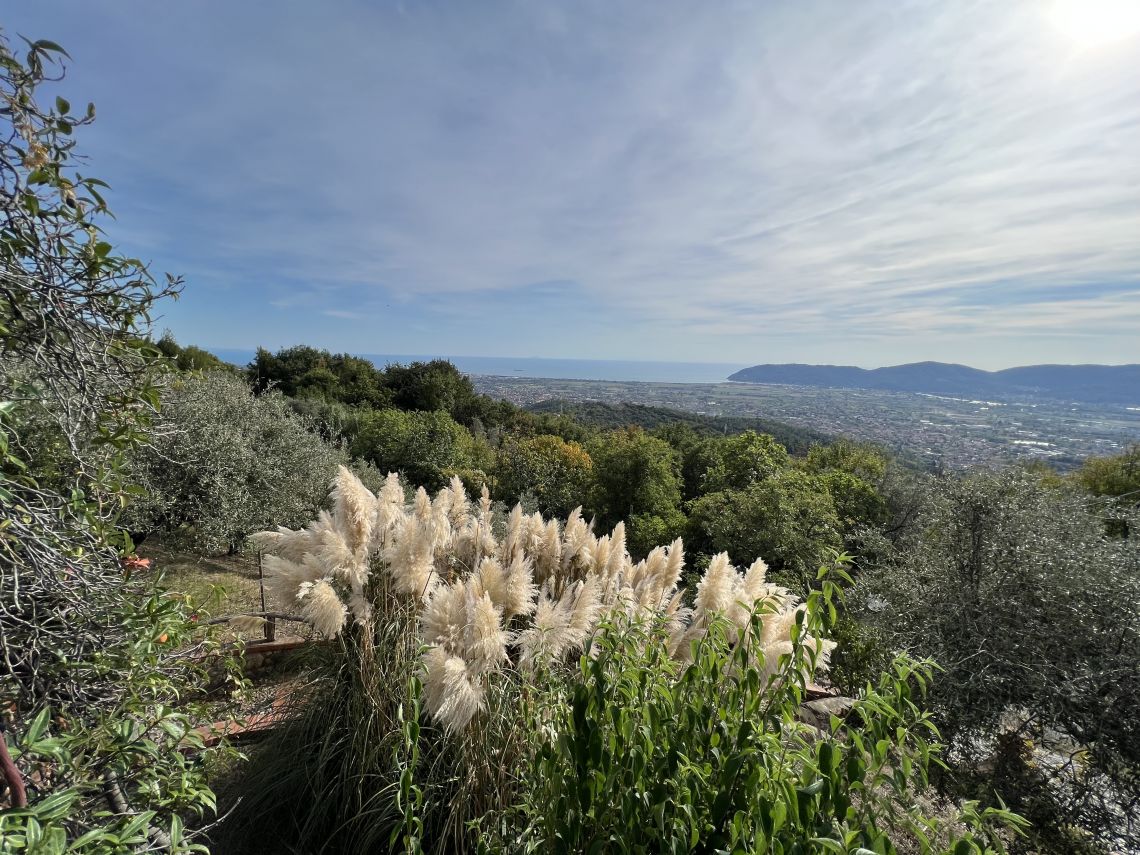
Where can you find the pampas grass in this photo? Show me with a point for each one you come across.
(554, 584)
(480, 623)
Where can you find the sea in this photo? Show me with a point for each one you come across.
(555, 369)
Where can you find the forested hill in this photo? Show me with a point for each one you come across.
(1101, 384)
(608, 416)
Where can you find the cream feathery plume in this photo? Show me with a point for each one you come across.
(322, 607)
(485, 647)
(421, 505)
(390, 511)
(717, 589)
(411, 557)
(339, 558)
(354, 509)
(577, 546)
(671, 573)
(546, 638)
(283, 578)
(493, 580)
(444, 617)
(459, 510)
(284, 542)
(547, 556)
(520, 591)
(515, 539)
(755, 584)
(618, 553)
(391, 494)
(601, 555)
(584, 610)
(452, 694)
(778, 626)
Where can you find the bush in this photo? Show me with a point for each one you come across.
(422, 446)
(224, 463)
(556, 472)
(634, 473)
(790, 517)
(1015, 590)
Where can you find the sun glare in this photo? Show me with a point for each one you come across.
(1092, 23)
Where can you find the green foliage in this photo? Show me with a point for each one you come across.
(224, 463)
(1015, 589)
(789, 518)
(738, 462)
(862, 460)
(1112, 476)
(635, 473)
(657, 419)
(641, 754)
(430, 386)
(556, 472)
(190, 358)
(307, 372)
(645, 531)
(422, 446)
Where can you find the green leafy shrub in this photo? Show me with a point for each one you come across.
(558, 473)
(790, 517)
(644, 755)
(422, 446)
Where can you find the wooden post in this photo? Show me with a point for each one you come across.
(270, 622)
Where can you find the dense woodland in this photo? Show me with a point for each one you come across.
(506, 672)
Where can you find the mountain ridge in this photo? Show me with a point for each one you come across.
(1087, 383)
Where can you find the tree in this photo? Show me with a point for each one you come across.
(557, 473)
(861, 459)
(430, 386)
(789, 518)
(1015, 590)
(634, 473)
(190, 358)
(1116, 476)
(738, 461)
(309, 372)
(852, 472)
(224, 463)
(88, 679)
(423, 446)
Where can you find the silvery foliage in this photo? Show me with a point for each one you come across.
(225, 463)
(1020, 592)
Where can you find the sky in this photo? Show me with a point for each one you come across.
(823, 181)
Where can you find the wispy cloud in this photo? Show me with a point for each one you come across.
(723, 180)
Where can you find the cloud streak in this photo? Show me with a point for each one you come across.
(726, 181)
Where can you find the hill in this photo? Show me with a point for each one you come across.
(608, 416)
(1095, 384)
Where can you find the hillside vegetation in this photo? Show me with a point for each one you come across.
(606, 415)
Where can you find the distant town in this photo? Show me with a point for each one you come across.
(925, 429)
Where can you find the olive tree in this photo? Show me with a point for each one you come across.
(224, 463)
(1014, 588)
